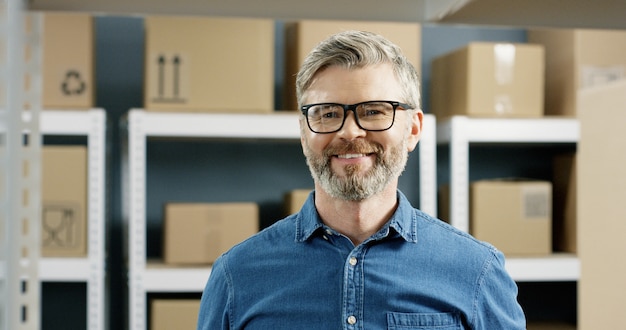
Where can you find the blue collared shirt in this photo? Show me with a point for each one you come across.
(416, 272)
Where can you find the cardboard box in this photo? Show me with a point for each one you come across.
(168, 314)
(294, 200)
(577, 58)
(489, 80)
(564, 203)
(68, 68)
(513, 215)
(64, 201)
(302, 36)
(202, 64)
(443, 205)
(198, 233)
(601, 159)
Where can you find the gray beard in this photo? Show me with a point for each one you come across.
(355, 186)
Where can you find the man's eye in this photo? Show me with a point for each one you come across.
(330, 114)
(373, 112)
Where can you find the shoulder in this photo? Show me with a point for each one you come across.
(439, 233)
(273, 237)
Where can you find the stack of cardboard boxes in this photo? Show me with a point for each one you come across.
(578, 59)
(293, 200)
(68, 61)
(198, 233)
(68, 84)
(489, 80)
(601, 195)
(167, 314)
(498, 80)
(501, 80)
(302, 36)
(64, 201)
(227, 65)
(203, 64)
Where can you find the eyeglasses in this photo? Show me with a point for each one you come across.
(370, 116)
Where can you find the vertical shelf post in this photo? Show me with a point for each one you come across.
(136, 220)
(96, 246)
(20, 141)
(459, 173)
(428, 166)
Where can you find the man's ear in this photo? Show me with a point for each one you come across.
(303, 126)
(417, 118)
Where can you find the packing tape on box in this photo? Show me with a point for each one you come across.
(504, 55)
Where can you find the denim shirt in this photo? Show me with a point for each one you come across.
(416, 272)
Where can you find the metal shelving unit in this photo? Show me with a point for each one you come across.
(22, 124)
(20, 145)
(459, 132)
(145, 277)
(577, 14)
(91, 269)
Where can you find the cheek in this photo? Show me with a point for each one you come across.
(314, 142)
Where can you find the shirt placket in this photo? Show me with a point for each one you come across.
(352, 313)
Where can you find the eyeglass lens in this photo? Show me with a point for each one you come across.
(374, 116)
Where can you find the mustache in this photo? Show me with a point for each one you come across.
(353, 147)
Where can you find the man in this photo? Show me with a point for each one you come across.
(358, 255)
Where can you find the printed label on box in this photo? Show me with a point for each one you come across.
(171, 78)
(595, 76)
(72, 83)
(536, 204)
(60, 226)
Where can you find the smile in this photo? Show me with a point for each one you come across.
(350, 156)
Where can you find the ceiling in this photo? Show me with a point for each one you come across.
(604, 14)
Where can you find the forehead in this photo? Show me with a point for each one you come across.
(353, 85)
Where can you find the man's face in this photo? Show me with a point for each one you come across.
(354, 164)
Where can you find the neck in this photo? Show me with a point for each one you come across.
(358, 220)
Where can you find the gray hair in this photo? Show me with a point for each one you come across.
(357, 49)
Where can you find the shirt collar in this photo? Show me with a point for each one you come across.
(403, 221)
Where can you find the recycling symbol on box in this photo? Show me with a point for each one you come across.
(73, 83)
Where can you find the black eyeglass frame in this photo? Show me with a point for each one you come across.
(352, 107)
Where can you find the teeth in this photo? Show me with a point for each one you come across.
(348, 156)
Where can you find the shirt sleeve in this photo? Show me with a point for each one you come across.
(496, 305)
(215, 301)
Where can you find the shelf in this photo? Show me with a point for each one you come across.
(90, 123)
(158, 277)
(55, 122)
(528, 13)
(557, 267)
(218, 125)
(509, 130)
(64, 269)
(141, 125)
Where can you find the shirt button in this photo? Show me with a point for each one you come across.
(351, 320)
(352, 261)
(329, 232)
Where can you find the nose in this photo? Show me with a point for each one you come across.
(350, 129)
